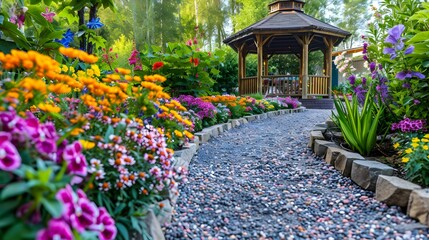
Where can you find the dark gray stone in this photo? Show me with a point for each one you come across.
(315, 135)
(332, 153)
(320, 147)
(365, 173)
(394, 191)
(344, 162)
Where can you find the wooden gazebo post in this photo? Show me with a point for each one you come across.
(328, 62)
(260, 53)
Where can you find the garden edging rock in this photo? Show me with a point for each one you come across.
(372, 175)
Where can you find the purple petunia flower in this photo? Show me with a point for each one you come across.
(76, 160)
(9, 155)
(409, 74)
(408, 125)
(106, 225)
(57, 229)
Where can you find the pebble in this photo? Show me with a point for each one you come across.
(260, 181)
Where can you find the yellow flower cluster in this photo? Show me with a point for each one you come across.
(419, 148)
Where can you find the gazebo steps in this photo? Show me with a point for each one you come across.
(324, 103)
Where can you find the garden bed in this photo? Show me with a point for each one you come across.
(373, 174)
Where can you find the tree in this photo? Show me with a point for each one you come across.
(355, 14)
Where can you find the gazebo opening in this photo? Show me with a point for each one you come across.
(287, 30)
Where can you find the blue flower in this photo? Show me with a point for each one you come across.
(67, 38)
(394, 36)
(409, 74)
(94, 23)
(409, 50)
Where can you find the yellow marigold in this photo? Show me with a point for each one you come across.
(59, 88)
(405, 159)
(87, 144)
(137, 78)
(76, 131)
(151, 86)
(414, 145)
(408, 150)
(415, 140)
(31, 85)
(155, 78)
(90, 72)
(396, 145)
(47, 107)
(123, 71)
(425, 147)
(188, 134)
(64, 68)
(178, 133)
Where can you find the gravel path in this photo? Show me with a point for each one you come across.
(260, 181)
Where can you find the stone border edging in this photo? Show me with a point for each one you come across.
(183, 157)
(372, 175)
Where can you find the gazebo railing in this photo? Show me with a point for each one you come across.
(248, 85)
(318, 85)
(282, 85)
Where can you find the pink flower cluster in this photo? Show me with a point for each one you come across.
(289, 102)
(201, 108)
(408, 125)
(79, 214)
(16, 132)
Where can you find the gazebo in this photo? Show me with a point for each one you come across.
(286, 30)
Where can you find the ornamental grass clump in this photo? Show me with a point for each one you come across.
(358, 126)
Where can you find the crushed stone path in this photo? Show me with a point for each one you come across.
(260, 181)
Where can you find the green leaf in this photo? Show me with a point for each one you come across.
(419, 37)
(8, 206)
(7, 220)
(15, 232)
(5, 177)
(1, 19)
(122, 230)
(14, 189)
(109, 132)
(53, 206)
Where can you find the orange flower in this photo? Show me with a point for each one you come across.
(195, 61)
(51, 108)
(157, 65)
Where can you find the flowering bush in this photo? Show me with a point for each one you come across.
(205, 110)
(188, 70)
(289, 102)
(112, 143)
(37, 165)
(416, 159)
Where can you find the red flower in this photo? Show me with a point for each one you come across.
(157, 65)
(195, 61)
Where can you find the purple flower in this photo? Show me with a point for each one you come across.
(409, 50)
(372, 66)
(408, 125)
(365, 57)
(9, 155)
(394, 35)
(365, 48)
(352, 79)
(383, 90)
(416, 102)
(409, 74)
(394, 38)
(360, 93)
(78, 210)
(106, 224)
(364, 80)
(76, 160)
(406, 85)
(57, 229)
(46, 138)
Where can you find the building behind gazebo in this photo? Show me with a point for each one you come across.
(286, 30)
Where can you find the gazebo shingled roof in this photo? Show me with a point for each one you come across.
(287, 30)
(290, 21)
